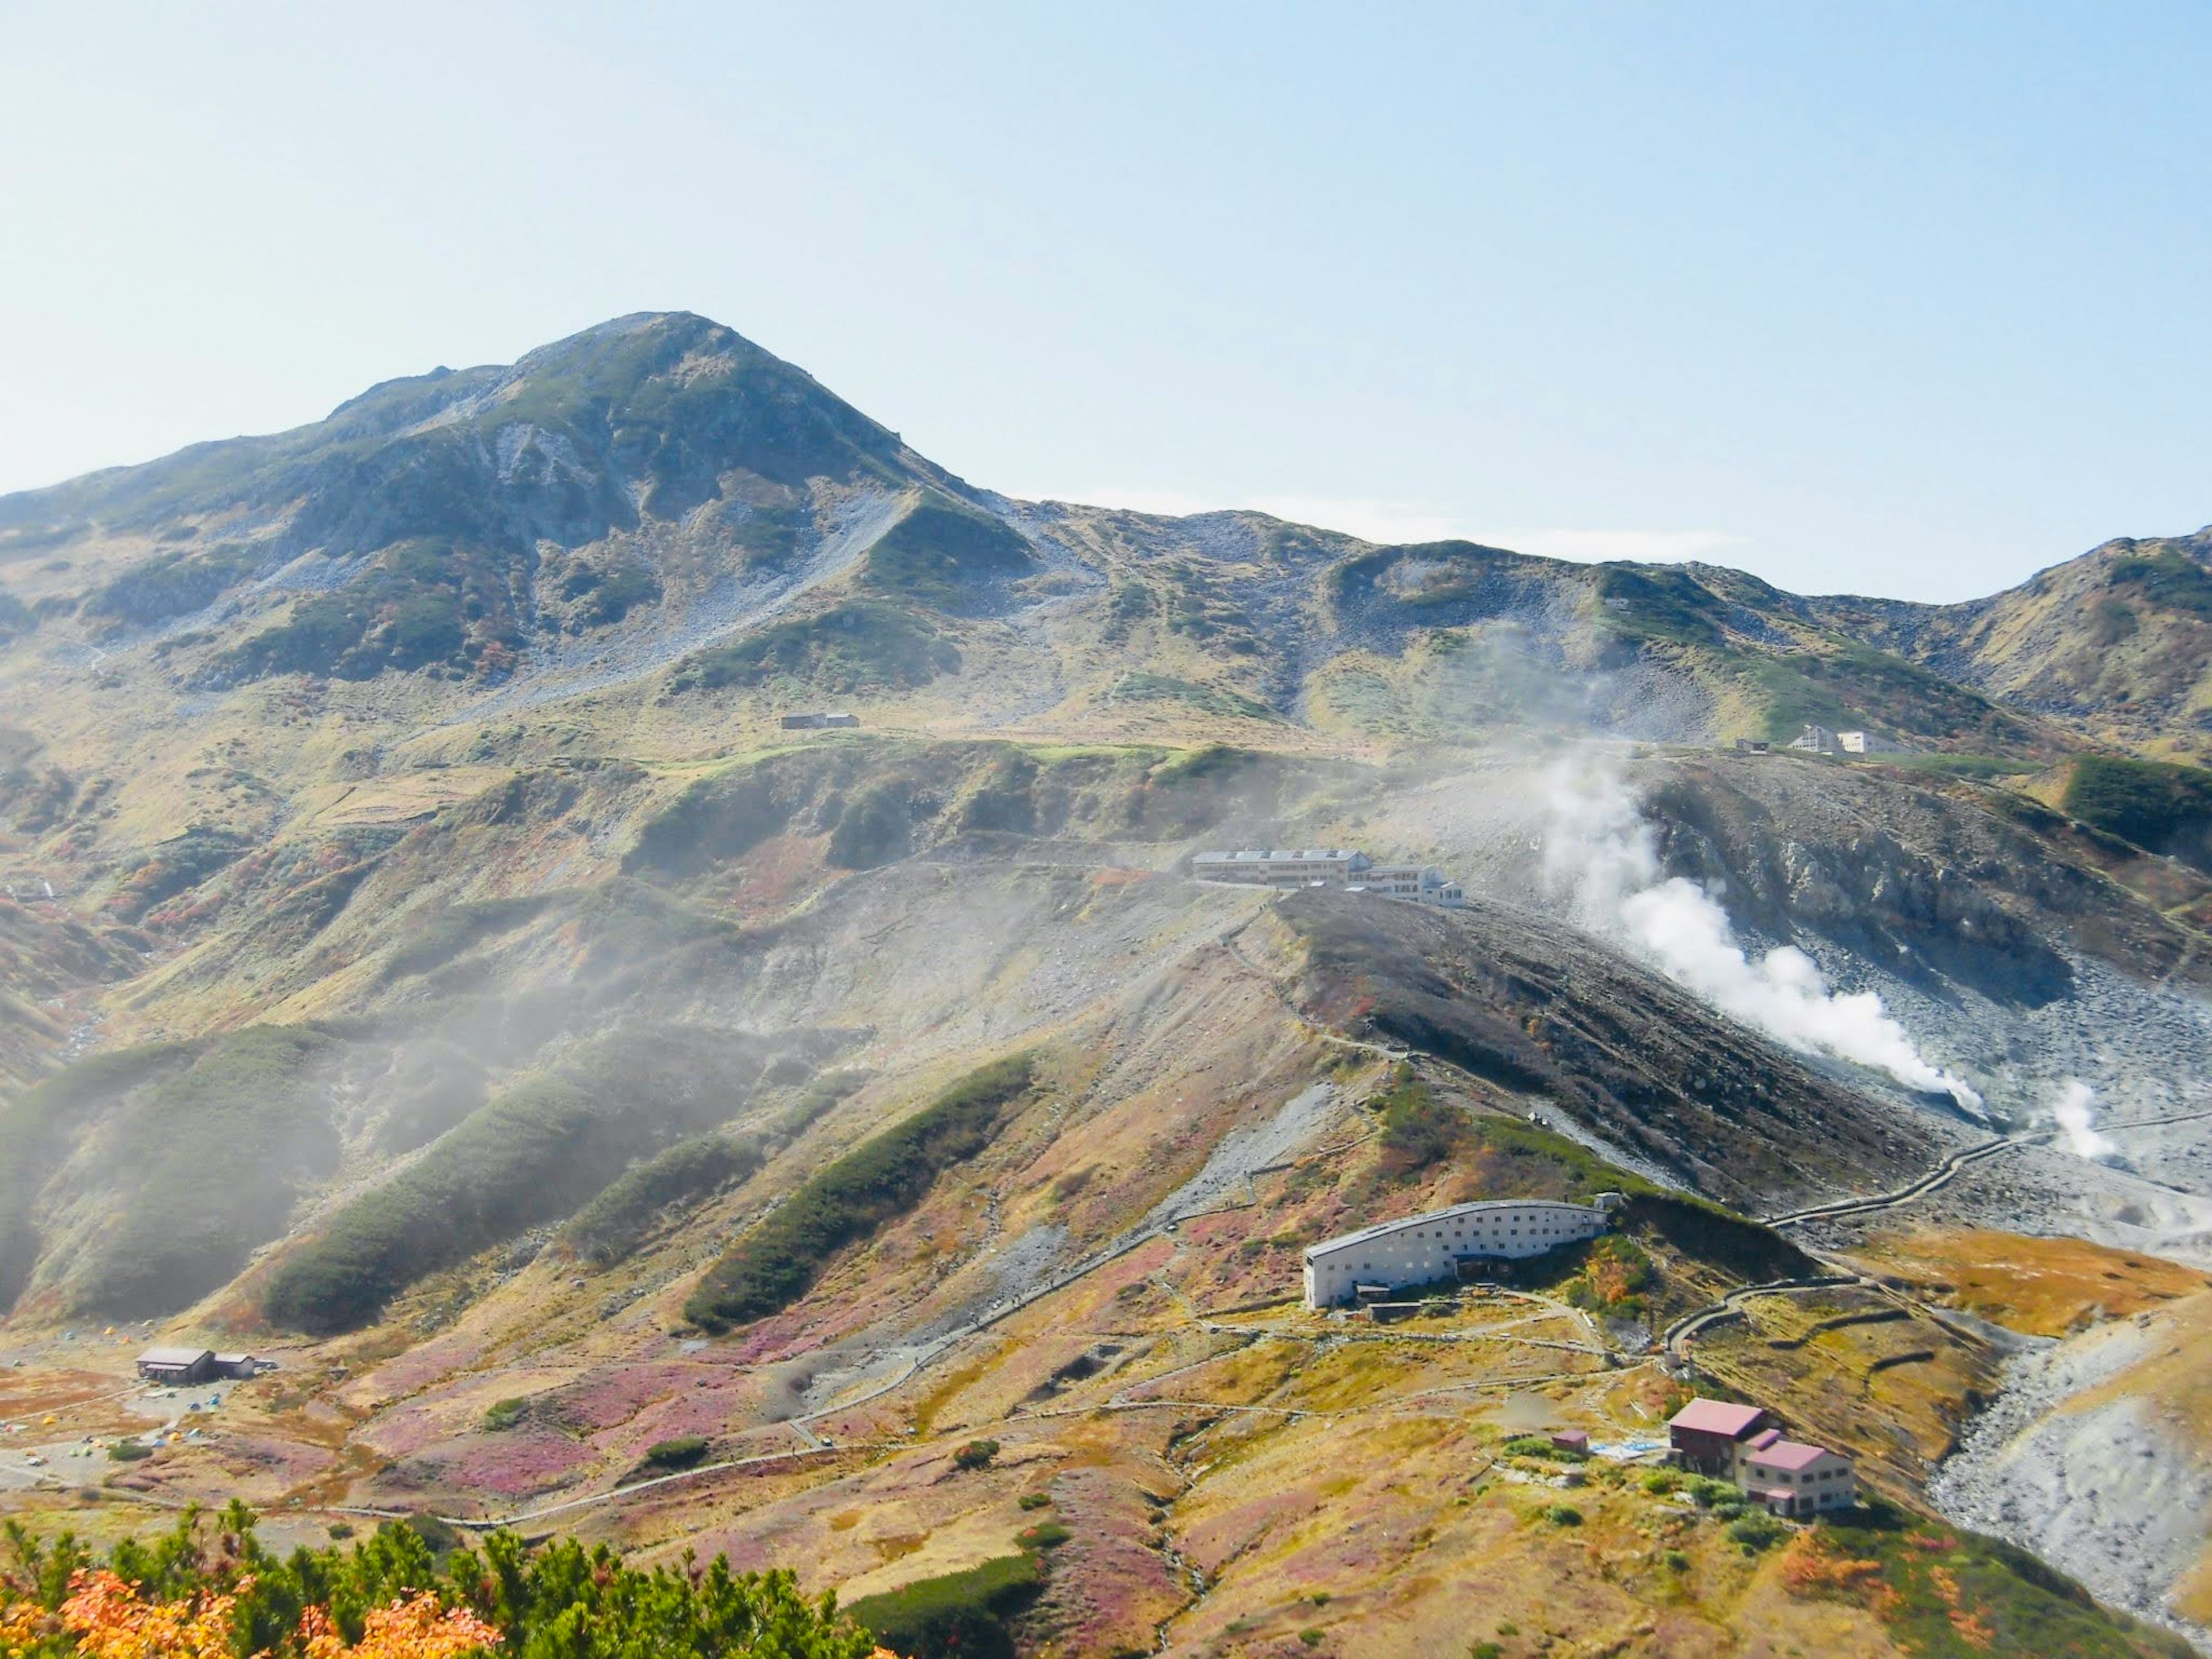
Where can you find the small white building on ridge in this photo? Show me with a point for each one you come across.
(1417, 883)
(1423, 1250)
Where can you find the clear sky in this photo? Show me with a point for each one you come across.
(1910, 299)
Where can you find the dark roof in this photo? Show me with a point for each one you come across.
(175, 1355)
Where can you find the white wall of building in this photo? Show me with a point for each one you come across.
(1827, 1482)
(1422, 1249)
(1328, 867)
(1413, 882)
(1332, 866)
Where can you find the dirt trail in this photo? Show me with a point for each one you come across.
(1942, 1175)
(1676, 1337)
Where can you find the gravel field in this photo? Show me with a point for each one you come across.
(2110, 1494)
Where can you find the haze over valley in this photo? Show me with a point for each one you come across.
(431, 959)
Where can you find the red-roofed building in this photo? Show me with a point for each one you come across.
(1790, 1478)
(1706, 1435)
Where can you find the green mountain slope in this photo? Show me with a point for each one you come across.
(2116, 644)
(424, 949)
(658, 501)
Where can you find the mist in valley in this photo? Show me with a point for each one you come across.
(610, 1084)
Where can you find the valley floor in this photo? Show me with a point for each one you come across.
(1200, 1466)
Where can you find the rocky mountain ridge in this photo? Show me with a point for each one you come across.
(424, 952)
(2116, 643)
(657, 501)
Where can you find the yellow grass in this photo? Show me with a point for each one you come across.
(2039, 1286)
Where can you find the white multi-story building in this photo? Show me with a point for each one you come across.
(1311, 866)
(1328, 867)
(1423, 1250)
(1868, 743)
(1413, 882)
(1794, 1479)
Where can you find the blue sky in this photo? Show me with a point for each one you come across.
(1899, 299)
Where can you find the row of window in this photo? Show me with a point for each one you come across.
(1403, 1256)
(1783, 1476)
(1459, 1231)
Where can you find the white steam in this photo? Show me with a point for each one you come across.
(2074, 1111)
(1601, 854)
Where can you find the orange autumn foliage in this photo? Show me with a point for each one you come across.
(415, 1629)
(1972, 1628)
(111, 1621)
(23, 1626)
(1613, 1280)
(1812, 1572)
(108, 1617)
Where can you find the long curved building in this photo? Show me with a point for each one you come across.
(1423, 1250)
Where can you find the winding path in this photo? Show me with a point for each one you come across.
(1949, 1169)
(1676, 1337)
(1938, 1177)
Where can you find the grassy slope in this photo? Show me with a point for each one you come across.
(777, 1262)
(1388, 1517)
(536, 1153)
(1946, 1593)
(2048, 1287)
(1376, 1518)
(186, 1158)
(38, 1127)
(610, 1226)
(2112, 644)
(2160, 807)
